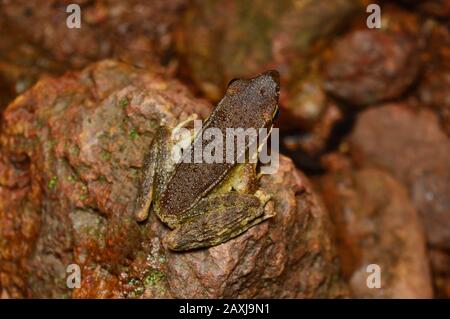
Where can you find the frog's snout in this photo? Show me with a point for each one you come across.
(274, 76)
(270, 81)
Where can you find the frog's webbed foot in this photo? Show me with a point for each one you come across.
(223, 217)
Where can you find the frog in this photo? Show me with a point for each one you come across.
(206, 204)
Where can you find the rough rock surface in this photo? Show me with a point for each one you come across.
(440, 262)
(368, 66)
(376, 223)
(136, 31)
(222, 40)
(107, 27)
(411, 146)
(21, 63)
(438, 8)
(315, 142)
(71, 153)
(435, 82)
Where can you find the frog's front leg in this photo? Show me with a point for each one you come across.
(147, 187)
(158, 165)
(216, 219)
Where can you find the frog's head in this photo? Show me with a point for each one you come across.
(258, 95)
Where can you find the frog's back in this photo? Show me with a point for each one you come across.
(247, 104)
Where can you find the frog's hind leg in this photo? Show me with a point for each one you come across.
(146, 190)
(216, 219)
(158, 165)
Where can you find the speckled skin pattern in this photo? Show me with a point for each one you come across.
(176, 194)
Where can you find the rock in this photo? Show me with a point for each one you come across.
(138, 32)
(276, 259)
(440, 263)
(376, 223)
(412, 147)
(17, 232)
(314, 143)
(433, 87)
(108, 28)
(72, 150)
(368, 66)
(438, 8)
(22, 63)
(306, 105)
(222, 40)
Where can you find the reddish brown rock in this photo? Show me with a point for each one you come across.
(376, 223)
(21, 63)
(369, 66)
(274, 259)
(107, 28)
(17, 232)
(314, 143)
(222, 40)
(433, 87)
(440, 263)
(306, 104)
(438, 8)
(72, 149)
(36, 41)
(412, 147)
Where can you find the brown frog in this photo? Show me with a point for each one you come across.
(206, 204)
